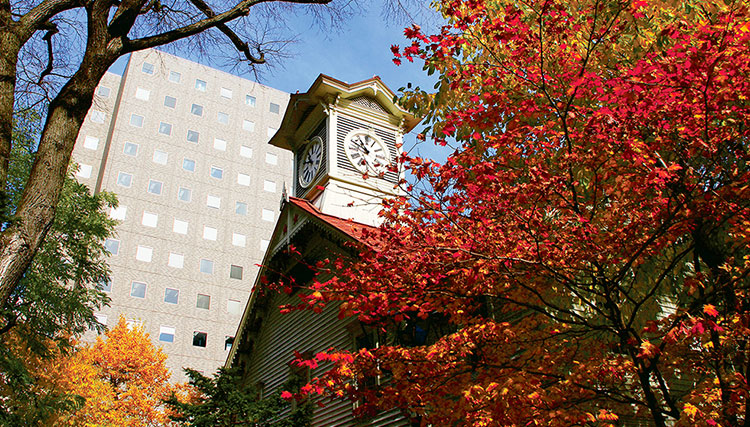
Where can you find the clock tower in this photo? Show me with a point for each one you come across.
(346, 141)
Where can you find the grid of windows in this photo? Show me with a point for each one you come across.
(176, 260)
(243, 179)
(188, 164)
(160, 157)
(250, 100)
(166, 334)
(154, 186)
(130, 149)
(171, 296)
(207, 266)
(233, 307)
(217, 172)
(165, 128)
(239, 239)
(174, 76)
(272, 159)
(226, 93)
(147, 68)
(203, 301)
(91, 143)
(200, 85)
(103, 91)
(101, 318)
(98, 116)
(222, 117)
(199, 339)
(112, 246)
(248, 125)
(124, 179)
(142, 94)
(119, 213)
(184, 194)
(144, 253)
(209, 233)
(220, 144)
(267, 215)
(179, 226)
(150, 219)
(196, 109)
(105, 285)
(138, 290)
(235, 272)
(136, 120)
(274, 108)
(213, 201)
(240, 208)
(246, 151)
(170, 101)
(84, 170)
(269, 186)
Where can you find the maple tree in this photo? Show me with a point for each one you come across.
(582, 257)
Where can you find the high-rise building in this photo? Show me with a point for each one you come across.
(184, 147)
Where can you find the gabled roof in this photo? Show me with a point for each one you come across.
(349, 227)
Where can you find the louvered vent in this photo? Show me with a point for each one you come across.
(368, 102)
(346, 125)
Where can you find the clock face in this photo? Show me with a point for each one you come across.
(310, 161)
(366, 152)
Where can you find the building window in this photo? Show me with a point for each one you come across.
(207, 266)
(171, 296)
(112, 246)
(200, 85)
(233, 307)
(98, 116)
(239, 239)
(138, 290)
(269, 186)
(154, 186)
(243, 179)
(240, 208)
(174, 76)
(197, 110)
(192, 136)
(250, 100)
(179, 226)
(147, 68)
(130, 149)
(101, 318)
(142, 94)
(248, 125)
(264, 244)
(235, 272)
(222, 118)
(228, 341)
(124, 179)
(272, 159)
(84, 170)
(150, 219)
(213, 201)
(188, 164)
(267, 215)
(217, 172)
(170, 101)
(136, 120)
(105, 285)
(246, 151)
(226, 93)
(165, 128)
(209, 233)
(166, 334)
(119, 213)
(199, 339)
(91, 143)
(176, 260)
(274, 108)
(160, 157)
(184, 194)
(271, 132)
(203, 301)
(103, 91)
(220, 144)
(144, 253)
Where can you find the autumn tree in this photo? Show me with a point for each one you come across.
(582, 257)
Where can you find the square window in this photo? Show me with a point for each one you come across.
(264, 244)
(171, 296)
(165, 128)
(174, 76)
(220, 144)
(147, 68)
(103, 91)
(98, 116)
(184, 194)
(170, 101)
(84, 170)
(138, 290)
(248, 125)
(176, 260)
(160, 157)
(269, 186)
(199, 339)
(271, 132)
(188, 164)
(150, 219)
(179, 226)
(142, 94)
(91, 143)
(166, 334)
(136, 120)
(226, 93)
(222, 118)
(239, 239)
(240, 208)
(203, 301)
(243, 179)
(250, 100)
(213, 201)
(267, 215)
(130, 149)
(192, 136)
(124, 179)
(217, 172)
(196, 109)
(272, 159)
(207, 266)
(209, 233)
(274, 108)
(101, 318)
(144, 253)
(246, 151)
(235, 272)
(233, 307)
(200, 85)
(112, 246)
(154, 186)
(118, 213)
(228, 341)
(105, 285)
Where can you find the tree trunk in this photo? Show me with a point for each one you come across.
(9, 48)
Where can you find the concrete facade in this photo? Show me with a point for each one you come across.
(184, 147)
